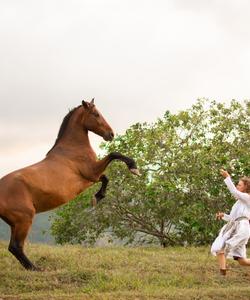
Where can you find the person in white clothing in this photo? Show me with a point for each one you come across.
(233, 237)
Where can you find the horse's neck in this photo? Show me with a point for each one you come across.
(75, 146)
(75, 143)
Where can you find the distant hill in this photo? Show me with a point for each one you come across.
(40, 231)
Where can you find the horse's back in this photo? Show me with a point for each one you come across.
(46, 184)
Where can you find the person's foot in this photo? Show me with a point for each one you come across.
(223, 272)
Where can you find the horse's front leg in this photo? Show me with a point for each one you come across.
(102, 164)
(101, 193)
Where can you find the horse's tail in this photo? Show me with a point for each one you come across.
(1, 208)
(2, 213)
(2, 203)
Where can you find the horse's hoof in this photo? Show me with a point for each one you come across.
(35, 269)
(135, 172)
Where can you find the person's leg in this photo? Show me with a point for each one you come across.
(240, 255)
(243, 261)
(222, 262)
(237, 244)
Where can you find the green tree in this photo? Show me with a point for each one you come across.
(175, 199)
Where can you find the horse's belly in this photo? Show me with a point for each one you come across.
(49, 192)
(40, 186)
(54, 197)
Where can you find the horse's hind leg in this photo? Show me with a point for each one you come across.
(19, 232)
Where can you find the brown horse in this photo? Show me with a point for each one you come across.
(69, 168)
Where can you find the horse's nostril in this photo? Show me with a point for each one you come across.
(109, 136)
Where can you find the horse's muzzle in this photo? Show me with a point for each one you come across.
(109, 136)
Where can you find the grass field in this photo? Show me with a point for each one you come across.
(74, 272)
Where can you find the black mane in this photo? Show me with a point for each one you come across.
(63, 126)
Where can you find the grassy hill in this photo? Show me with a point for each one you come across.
(74, 272)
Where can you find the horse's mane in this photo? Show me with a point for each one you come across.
(64, 126)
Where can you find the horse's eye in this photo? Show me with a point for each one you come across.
(96, 114)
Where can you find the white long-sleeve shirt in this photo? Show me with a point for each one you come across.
(241, 207)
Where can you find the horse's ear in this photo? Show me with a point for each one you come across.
(92, 101)
(85, 104)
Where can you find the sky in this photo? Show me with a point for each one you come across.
(138, 58)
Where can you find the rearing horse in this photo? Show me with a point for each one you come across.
(70, 167)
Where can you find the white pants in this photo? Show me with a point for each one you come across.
(235, 241)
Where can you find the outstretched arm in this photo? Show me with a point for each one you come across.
(244, 197)
(226, 217)
(222, 216)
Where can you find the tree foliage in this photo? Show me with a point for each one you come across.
(180, 190)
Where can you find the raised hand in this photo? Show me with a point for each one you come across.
(224, 173)
(219, 215)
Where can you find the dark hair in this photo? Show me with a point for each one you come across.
(63, 126)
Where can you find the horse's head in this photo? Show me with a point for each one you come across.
(95, 122)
